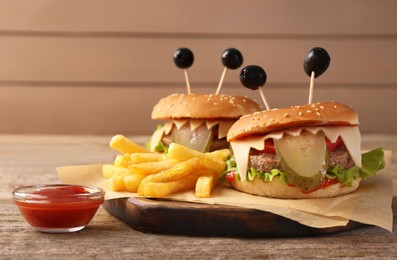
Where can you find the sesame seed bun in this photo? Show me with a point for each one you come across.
(316, 114)
(277, 189)
(203, 106)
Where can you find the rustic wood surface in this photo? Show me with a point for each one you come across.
(32, 159)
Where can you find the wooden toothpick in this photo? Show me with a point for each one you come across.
(311, 87)
(187, 81)
(264, 98)
(218, 90)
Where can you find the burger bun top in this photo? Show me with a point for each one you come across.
(203, 106)
(316, 114)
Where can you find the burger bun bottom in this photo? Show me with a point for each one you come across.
(277, 189)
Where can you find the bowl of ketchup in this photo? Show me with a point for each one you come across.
(58, 208)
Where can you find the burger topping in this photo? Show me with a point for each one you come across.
(198, 139)
(200, 131)
(372, 162)
(303, 158)
(349, 134)
(265, 162)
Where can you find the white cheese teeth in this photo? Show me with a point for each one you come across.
(349, 134)
(167, 128)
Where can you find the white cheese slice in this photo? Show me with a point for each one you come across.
(168, 127)
(180, 123)
(349, 134)
(224, 127)
(211, 124)
(195, 123)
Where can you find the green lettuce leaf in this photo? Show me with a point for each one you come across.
(231, 166)
(267, 176)
(372, 162)
(160, 147)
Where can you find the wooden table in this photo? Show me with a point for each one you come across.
(32, 159)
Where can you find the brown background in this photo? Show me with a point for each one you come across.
(83, 67)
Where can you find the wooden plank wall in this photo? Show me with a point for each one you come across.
(83, 67)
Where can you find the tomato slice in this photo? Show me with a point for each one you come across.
(230, 176)
(333, 146)
(269, 146)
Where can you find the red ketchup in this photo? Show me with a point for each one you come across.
(58, 208)
(326, 183)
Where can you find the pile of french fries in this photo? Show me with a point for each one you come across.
(160, 175)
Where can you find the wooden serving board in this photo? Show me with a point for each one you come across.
(185, 218)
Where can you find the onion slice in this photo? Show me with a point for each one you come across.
(198, 139)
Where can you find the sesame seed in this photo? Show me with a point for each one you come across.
(286, 115)
(308, 111)
(318, 114)
(271, 120)
(300, 113)
(322, 107)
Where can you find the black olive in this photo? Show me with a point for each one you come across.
(183, 58)
(232, 58)
(316, 60)
(253, 77)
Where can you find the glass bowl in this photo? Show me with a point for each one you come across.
(58, 208)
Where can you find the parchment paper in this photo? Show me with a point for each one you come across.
(370, 204)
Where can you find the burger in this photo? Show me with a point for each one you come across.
(198, 121)
(308, 151)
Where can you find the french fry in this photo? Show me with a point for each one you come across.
(220, 154)
(108, 170)
(116, 182)
(149, 168)
(159, 190)
(122, 160)
(132, 182)
(123, 145)
(205, 184)
(160, 175)
(145, 157)
(178, 171)
(183, 153)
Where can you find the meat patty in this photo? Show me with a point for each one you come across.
(340, 157)
(265, 162)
